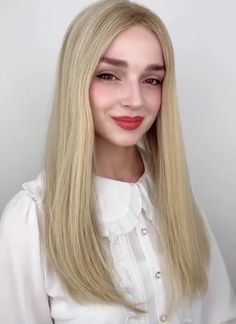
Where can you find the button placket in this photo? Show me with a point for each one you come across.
(153, 260)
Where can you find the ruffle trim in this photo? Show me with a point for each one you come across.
(113, 223)
(126, 221)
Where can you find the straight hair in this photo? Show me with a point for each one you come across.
(72, 233)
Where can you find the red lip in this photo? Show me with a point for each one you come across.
(129, 119)
(127, 122)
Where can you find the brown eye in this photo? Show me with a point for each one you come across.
(153, 82)
(106, 76)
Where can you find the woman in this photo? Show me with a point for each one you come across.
(110, 232)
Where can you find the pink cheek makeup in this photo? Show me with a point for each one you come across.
(128, 123)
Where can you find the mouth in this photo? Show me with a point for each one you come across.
(127, 122)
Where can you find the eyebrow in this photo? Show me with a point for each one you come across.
(124, 64)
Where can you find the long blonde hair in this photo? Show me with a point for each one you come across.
(72, 234)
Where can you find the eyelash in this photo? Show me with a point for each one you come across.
(100, 76)
(110, 76)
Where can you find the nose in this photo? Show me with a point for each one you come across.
(131, 96)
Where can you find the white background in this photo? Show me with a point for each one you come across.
(203, 34)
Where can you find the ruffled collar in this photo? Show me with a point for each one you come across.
(119, 203)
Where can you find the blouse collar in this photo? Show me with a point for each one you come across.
(119, 203)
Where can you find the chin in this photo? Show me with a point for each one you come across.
(126, 142)
(120, 138)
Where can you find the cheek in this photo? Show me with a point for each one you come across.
(98, 94)
(94, 94)
(154, 101)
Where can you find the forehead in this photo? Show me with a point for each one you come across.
(136, 44)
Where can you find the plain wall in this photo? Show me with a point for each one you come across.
(31, 33)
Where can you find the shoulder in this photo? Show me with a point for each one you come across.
(20, 239)
(20, 218)
(22, 270)
(220, 301)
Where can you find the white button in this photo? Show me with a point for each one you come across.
(163, 318)
(158, 274)
(144, 231)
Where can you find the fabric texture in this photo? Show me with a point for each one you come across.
(31, 292)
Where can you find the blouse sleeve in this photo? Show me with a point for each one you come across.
(22, 295)
(220, 302)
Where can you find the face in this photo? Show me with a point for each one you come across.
(125, 92)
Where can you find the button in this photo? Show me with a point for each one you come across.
(163, 318)
(144, 231)
(158, 274)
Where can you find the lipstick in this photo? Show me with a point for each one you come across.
(127, 122)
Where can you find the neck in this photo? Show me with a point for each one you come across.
(116, 162)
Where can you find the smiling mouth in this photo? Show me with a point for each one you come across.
(127, 122)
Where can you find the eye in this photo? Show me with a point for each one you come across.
(106, 76)
(153, 81)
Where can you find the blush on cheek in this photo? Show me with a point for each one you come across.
(155, 102)
(92, 91)
(102, 94)
(98, 91)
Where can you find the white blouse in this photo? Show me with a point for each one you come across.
(31, 293)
